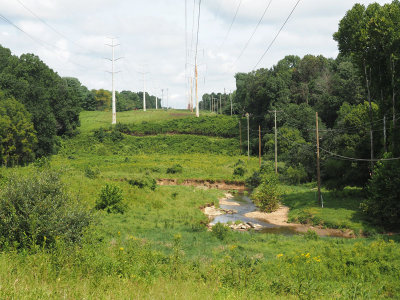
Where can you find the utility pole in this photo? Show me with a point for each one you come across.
(144, 87)
(197, 98)
(240, 134)
(114, 111)
(318, 166)
(162, 96)
(276, 141)
(248, 135)
(230, 97)
(220, 104)
(259, 145)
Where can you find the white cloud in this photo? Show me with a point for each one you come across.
(152, 33)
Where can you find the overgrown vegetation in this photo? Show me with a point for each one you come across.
(111, 200)
(36, 210)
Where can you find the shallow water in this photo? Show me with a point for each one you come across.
(246, 205)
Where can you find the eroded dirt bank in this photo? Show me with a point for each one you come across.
(212, 184)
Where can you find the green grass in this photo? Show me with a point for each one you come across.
(91, 120)
(341, 209)
(160, 248)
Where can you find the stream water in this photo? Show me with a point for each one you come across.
(246, 206)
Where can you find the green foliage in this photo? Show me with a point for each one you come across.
(255, 179)
(240, 168)
(383, 203)
(92, 173)
(53, 104)
(177, 168)
(144, 182)
(220, 231)
(295, 175)
(311, 235)
(268, 195)
(111, 200)
(221, 126)
(17, 135)
(36, 210)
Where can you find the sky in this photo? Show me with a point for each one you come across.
(157, 39)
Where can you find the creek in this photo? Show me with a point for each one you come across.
(245, 206)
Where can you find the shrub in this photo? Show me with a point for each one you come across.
(239, 171)
(220, 231)
(144, 182)
(268, 195)
(383, 203)
(91, 173)
(111, 199)
(296, 175)
(175, 169)
(36, 210)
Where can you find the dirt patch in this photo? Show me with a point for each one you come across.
(217, 184)
(280, 218)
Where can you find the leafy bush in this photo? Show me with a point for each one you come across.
(175, 169)
(144, 182)
(383, 203)
(296, 175)
(36, 210)
(221, 126)
(220, 231)
(91, 173)
(255, 179)
(268, 195)
(111, 199)
(240, 169)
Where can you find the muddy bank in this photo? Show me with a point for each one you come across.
(212, 184)
(280, 218)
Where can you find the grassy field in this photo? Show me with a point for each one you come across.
(95, 119)
(160, 249)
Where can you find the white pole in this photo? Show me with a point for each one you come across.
(144, 92)
(114, 110)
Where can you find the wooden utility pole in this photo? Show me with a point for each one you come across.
(259, 145)
(240, 134)
(220, 105)
(248, 135)
(318, 167)
(276, 140)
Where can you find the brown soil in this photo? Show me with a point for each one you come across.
(217, 184)
(280, 218)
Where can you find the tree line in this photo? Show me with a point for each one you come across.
(38, 107)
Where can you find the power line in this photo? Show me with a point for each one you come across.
(195, 57)
(48, 25)
(230, 27)
(276, 36)
(39, 41)
(255, 30)
(359, 159)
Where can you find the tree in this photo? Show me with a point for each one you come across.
(382, 206)
(17, 135)
(103, 99)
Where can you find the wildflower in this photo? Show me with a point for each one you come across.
(307, 255)
(122, 248)
(119, 233)
(279, 255)
(233, 247)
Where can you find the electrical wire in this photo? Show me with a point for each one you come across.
(233, 21)
(255, 30)
(359, 159)
(276, 36)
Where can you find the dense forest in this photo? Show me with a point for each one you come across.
(38, 107)
(354, 95)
